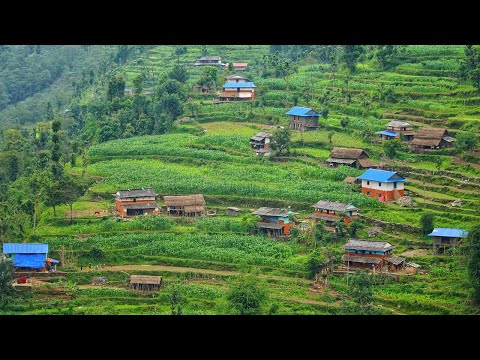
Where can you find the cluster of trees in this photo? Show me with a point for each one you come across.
(470, 67)
(32, 176)
(123, 116)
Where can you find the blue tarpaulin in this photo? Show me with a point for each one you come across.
(19, 248)
(387, 133)
(33, 261)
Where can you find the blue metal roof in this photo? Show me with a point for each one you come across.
(239, 85)
(446, 232)
(388, 133)
(301, 111)
(380, 175)
(16, 248)
(32, 261)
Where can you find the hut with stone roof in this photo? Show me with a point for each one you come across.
(371, 255)
(333, 211)
(353, 157)
(136, 202)
(185, 205)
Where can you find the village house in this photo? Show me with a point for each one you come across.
(332, 211)
(128, 91)
(352, 180)
(235, 79)
(274, 221)
(237, 91)
(356, 158)
(233, 211)
(209, 61)
(28, 256)
(185, 205)
(371, 255)
(382, 185)
(431, 139)
(201, 89)
(302, 119)
(136, 202)
(260, 142)
(238, 66)
(145, 282)
(445, 237)
(394, 128)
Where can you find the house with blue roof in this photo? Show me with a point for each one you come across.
(31, 256)
(302, 119)
(394, 128)
(237, 91)
(382, 185)
(446, 237)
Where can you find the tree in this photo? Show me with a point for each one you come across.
(473, 261)
(344, 122)
(171, 105)
(179, 73)
(391, 148)
(426, 223)
(438, 162)
(330, 136)
(315, 263)
(179, 51)
(49, 111)
(466, 141)
(353, 228)
(230, 67)
(384, 54)
(175, 301)
(138, 83)
(247, 297)
(281, 139)
(361, 288)
(470, 67)
(350, 56)
(72, 187)
(6, 277)
(209, 77)
(116, 87)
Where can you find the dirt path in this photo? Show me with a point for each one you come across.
(181, 269)
(413, 116)
(459, 160)
(454, 188)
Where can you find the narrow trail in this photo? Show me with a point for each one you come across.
(181, 269)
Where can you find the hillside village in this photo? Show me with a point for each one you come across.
(308, 184)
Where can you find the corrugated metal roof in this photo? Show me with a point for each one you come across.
(387, 133)
(381, 176)
(229, 85)
(301, 111)
(367, 245)
(16, 248)
(334, 205)
(447, 232)
(397, 123)
(266, 211)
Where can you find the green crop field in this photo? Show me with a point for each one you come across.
(203, 258)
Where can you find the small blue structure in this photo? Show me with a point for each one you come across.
(381, 176)
(31, 256)
(446, 237)
(388, 134)
(229, 85)
(302, 119)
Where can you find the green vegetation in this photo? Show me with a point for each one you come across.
(58, 167)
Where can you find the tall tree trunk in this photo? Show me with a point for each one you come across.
(71, 213)
(54, 211)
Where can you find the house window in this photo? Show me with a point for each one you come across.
(368, 182)
(379, 184)
(394, 185)
(368, 193)
(380, 195)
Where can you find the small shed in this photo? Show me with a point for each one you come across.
(185, 205)
(434, 138)
(350, 157)
(352, 180)
(233, 211)
(145, 282)
(32, 256)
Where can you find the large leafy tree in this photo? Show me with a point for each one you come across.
(281, 139)
(473, 245)
(248, 296)
(350, 56)
(6, 278)
(426, 222)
